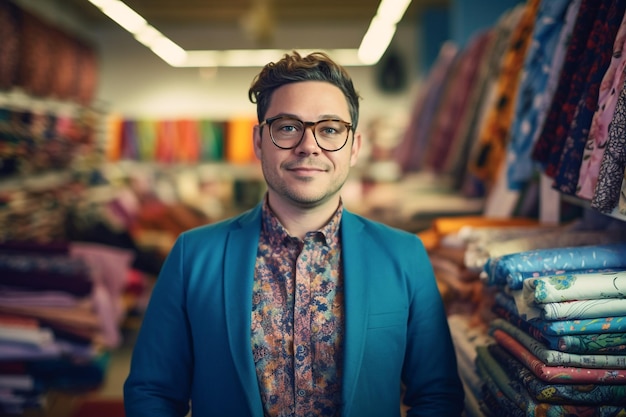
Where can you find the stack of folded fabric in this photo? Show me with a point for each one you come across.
(60, 310)
(560, 333)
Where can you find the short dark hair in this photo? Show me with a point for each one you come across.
(292, 68)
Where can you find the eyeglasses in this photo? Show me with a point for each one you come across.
(287, 132)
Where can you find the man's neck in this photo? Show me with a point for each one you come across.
(298, 221)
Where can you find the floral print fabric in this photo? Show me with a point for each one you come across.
(555, 288)
(297, 320)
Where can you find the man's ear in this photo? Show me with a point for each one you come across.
(256, 140)
(356, 148)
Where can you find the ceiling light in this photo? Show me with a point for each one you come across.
(121, 14)
(374, 44)
(381, 30)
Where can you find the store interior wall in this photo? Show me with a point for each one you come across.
(136, 83)
(133, 82)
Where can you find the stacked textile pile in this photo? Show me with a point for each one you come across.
(468, 302)
(460, 247)
(61, 307)
(560, 335)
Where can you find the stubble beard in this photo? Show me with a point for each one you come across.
(301, 199)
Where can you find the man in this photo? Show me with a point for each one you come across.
(297, 307)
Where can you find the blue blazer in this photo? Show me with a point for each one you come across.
(194, 342)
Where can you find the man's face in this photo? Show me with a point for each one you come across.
(306, 176)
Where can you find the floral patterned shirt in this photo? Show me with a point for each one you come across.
(297, 319)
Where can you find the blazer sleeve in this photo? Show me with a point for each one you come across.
(159, 381)
(430, 374)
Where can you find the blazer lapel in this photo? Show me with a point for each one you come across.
(356, 303)
(241, 250)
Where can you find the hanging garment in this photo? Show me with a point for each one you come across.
(599, 54)
(542, 66)
(611, 176)
(598, 134)
(568, 90)
(494, 133)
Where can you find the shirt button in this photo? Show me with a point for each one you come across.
(301, 392)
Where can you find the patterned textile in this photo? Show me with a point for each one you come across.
(568, 91)
(297, 319)
(516, 392)
(593, 343)
(495, 403)
(494, 133)
(489, 76)
(598, 53)
(569, 286)
(581, 326)
(598, 134)
(544, 59)
(581, 309)
(534, 274)
(495, 376)
(558, 374)
(557, 358)
(584, 394)
(611, 176)
(503, 270)
(505, 307)
(496, 399)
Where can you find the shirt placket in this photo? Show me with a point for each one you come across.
(302, 331)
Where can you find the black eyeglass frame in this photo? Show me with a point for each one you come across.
(306, 125)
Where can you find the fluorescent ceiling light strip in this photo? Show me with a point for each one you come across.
(374, 44)
(376, 40)
(392, 10)
(121, 14)
(381, 30)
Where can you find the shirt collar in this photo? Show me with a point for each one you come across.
(277, 233)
